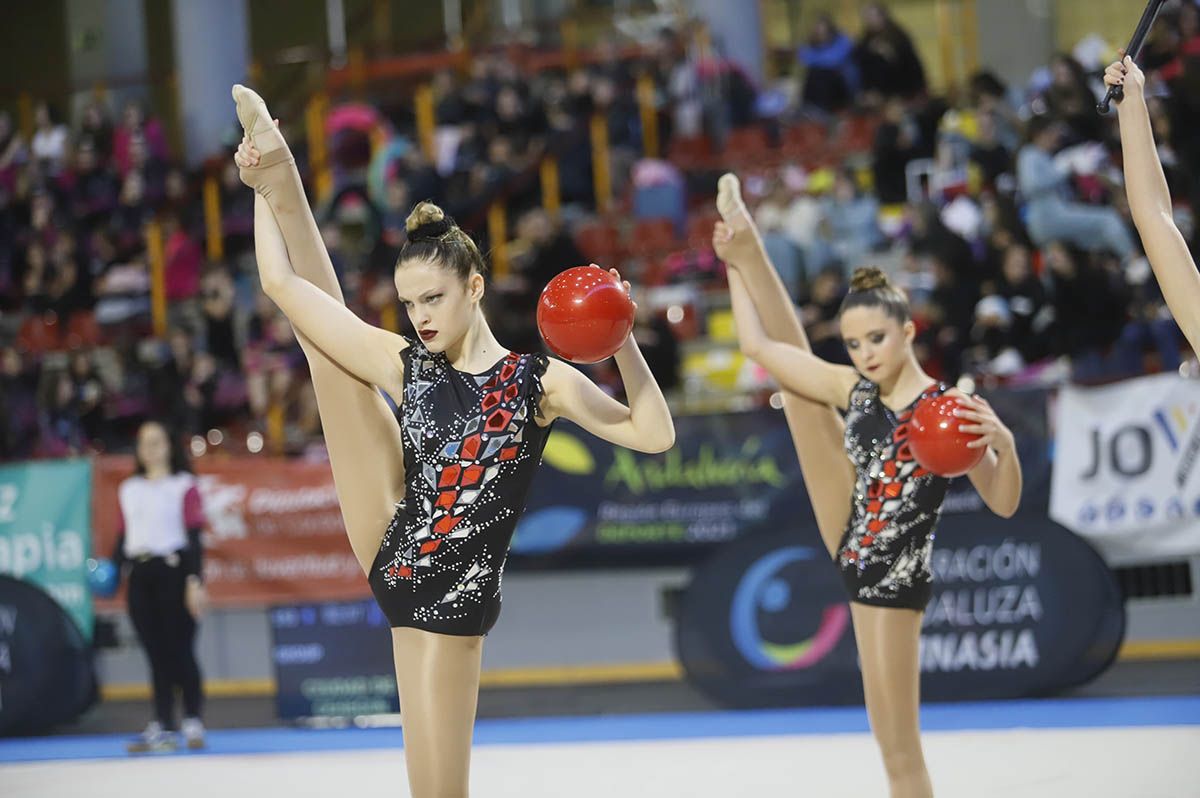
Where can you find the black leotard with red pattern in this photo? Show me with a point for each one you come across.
(471, 448)
(885, 551)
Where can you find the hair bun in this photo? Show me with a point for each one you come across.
(868, 278)
(427, 221)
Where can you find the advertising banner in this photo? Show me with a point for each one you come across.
(333, 660)
(594, 503)
(274, 534)
(45, 531)
(1126, 472)
(46, 674)
(1018, 609)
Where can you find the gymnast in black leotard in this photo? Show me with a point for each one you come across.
(429, 504)
(875, 507)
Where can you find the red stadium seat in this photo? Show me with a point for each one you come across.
(690, 152)
(600, 243)
(805, 142)
(83, 331)
(856, 134)
(700, 229)
(39, 334)
(652, 238)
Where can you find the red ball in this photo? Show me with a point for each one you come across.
(936, 441)
(585, 314)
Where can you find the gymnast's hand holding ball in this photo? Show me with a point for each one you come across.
(950, 434)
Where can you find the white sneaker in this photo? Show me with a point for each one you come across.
(153, 740)
(193, 733)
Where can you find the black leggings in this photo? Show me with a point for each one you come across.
(167, 633)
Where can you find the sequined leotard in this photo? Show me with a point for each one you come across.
(471, 448)
(885, 550)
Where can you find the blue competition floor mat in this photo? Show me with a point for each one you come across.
(1039, 714)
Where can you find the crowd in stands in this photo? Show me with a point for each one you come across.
(1000, 211)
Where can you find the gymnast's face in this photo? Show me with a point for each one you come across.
(440, 304)
(878, 343)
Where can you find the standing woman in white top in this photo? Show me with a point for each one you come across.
(161, 519)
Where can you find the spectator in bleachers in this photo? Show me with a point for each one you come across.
(989, 96)
(51, 140)
(135, 125)
(544, 248)
(1090, 307)
(12, 152)
(67, 290)
(59, 425)
(18, 406)
(1071, 100)
(151, 167)
(887, 61)
(123, 291)
(930, 236)
(35, 279)
(88, 391)
(831, 79)
(850, 222)
(1053, 215)
(820, 315)
(897, 141)
(129, 218)
(96, 131)
(94, 193)
(183, 261)
(992, 350)
(237, 214)
(656, 339)
(1028, 304)
(993, 159)
(218, 312)
(951, 310)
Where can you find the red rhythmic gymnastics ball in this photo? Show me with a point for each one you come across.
(585, 314)
(936, 441)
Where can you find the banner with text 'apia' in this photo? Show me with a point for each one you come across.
(1127, 467)
(1019, 608)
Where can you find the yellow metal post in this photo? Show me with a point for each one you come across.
(551, 193)
(645, 98)
(946, 41)
(314, 119)
(570, 41)
(497, 222)
(214, 240)
(357, 64)
(601, 170)
(389, 319)
(426, 121)
(158, 285)
(970, 36)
